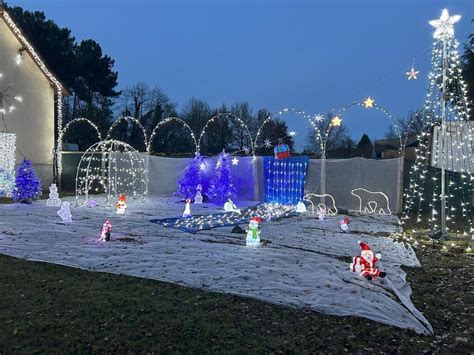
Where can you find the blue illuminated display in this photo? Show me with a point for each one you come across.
(284, 179)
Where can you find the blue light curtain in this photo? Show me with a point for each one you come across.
(284, 179)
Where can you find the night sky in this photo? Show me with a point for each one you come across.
(310, 55)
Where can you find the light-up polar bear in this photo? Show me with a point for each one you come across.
(331, 209)
(372, 202)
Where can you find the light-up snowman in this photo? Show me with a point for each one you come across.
(198, 196)
(121, 206)
(253, 234)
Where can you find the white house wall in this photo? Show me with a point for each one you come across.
(33, 119)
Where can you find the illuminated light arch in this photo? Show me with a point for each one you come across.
(225, 115)
(311, 120)
(373, 206)
(331, 211)
(165, 121)
(132, 119)
(368, 104)
(79, 120)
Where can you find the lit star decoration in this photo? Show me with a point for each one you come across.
(246, 150)
(369, 102)
(412, 73)
(235, 161)
(267, 143)
(444, 25)
(336, 121)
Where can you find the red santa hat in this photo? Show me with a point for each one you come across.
(346, 220)
(256, 219)
(363, 245)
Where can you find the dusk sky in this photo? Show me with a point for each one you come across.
(310, 55)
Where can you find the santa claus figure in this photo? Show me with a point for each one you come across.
(321, 212)
(121, 206)
(365, 263)
(344, 224)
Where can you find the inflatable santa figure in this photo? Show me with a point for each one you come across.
(121, 206)
(321, 212)
(365, 263)
(344, 224)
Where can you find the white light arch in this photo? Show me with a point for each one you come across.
(165, 121)
(311, 120)
(376, 107)
(225, 115)
(79, 120)
(131, 119)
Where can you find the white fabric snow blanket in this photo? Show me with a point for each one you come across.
(304, 262)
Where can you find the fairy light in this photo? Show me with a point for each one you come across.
(116, 167)
(7, 162)
(169, 120)
(225, 115)
(58, 88)
(311, 119)
(452, 112)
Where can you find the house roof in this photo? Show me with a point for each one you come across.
(26, 46)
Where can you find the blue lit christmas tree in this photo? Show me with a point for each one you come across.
(27, 184)
(191, 178)
(221, 186)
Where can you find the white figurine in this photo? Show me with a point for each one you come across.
(344, 224)
(301, 207)
(198, 196)
(65, 213)
(322, 213)
(230, 206)
(121, 205)
(187, 209)
(105, 232)
(253, 234)
(53, 199)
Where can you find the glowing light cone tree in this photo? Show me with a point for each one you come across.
(191, 178)
(27, 184)
(441, 180)
(221, 186)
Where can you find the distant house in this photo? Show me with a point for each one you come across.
(390, 148)
(36, 117)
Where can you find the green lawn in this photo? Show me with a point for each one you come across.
(53, 309)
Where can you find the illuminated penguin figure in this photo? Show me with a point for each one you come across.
(253, 234)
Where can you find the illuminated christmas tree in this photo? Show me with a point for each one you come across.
(27, 184)
(441, 180)
(221, 186)
(187, 185)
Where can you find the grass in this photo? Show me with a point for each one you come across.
(47, 308)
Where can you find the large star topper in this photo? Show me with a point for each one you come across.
(444, 25)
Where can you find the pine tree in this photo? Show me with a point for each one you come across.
(27, 184)
(221, 186)
(441, 185)
(191, 178)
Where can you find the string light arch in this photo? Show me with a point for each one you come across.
(80, 120)
(168, 120)
(225, 115)
(108, 136)
(311, 119)
(367, 104)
